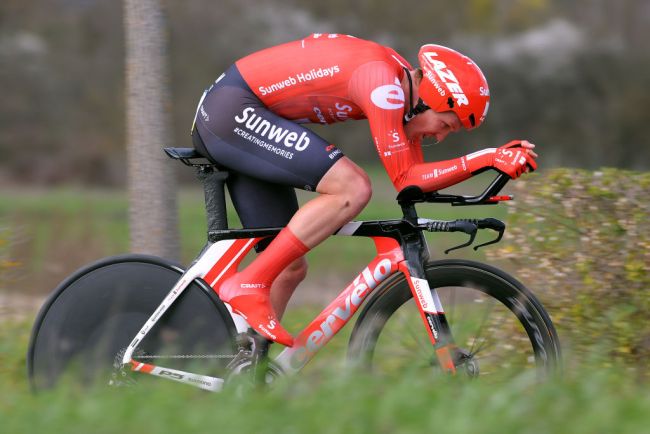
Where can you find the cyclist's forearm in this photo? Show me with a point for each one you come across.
(440, 174)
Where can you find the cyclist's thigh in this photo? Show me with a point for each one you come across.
(261, 204)
(240, 133)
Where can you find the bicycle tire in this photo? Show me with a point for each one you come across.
(96, 312)
(466, 282)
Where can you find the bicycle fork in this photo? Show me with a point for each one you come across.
(431, 311)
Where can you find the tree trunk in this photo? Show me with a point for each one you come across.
(151, 183)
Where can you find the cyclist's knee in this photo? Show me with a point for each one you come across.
(363, 189)
(349, 182)
(357, 196)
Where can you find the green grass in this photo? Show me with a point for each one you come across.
(331, 400)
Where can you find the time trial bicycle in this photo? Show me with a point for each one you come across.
(129, 315)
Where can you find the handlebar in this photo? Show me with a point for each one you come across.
(468, 226)
(490, 195)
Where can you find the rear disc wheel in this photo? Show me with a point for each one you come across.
(95, 313)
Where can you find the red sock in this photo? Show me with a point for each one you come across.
(248, 291)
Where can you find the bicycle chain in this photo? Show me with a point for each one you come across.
(188, 356)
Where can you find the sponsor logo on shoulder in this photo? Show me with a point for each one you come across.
(388, 96)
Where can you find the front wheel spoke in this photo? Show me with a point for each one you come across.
(418, 338)
(485, 343)
(483, 322)
(420, 334)
(407, 343)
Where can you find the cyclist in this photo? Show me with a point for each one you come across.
(250, 122)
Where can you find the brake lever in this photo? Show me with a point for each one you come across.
(495, 225)
(468, 227)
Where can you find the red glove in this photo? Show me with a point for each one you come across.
(512, 159)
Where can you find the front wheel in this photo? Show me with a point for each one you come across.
(84, 327)
(498, 326)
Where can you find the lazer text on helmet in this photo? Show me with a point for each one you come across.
(447, 77)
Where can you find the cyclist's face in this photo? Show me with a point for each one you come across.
(432, 124)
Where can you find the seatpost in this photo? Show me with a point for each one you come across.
(215, 197)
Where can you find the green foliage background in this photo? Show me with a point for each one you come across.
(581, 241)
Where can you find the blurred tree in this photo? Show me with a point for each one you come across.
(152, 197)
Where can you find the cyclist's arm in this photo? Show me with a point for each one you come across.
(513, 159)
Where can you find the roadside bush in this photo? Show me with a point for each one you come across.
(581, 241)
(6, 264)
